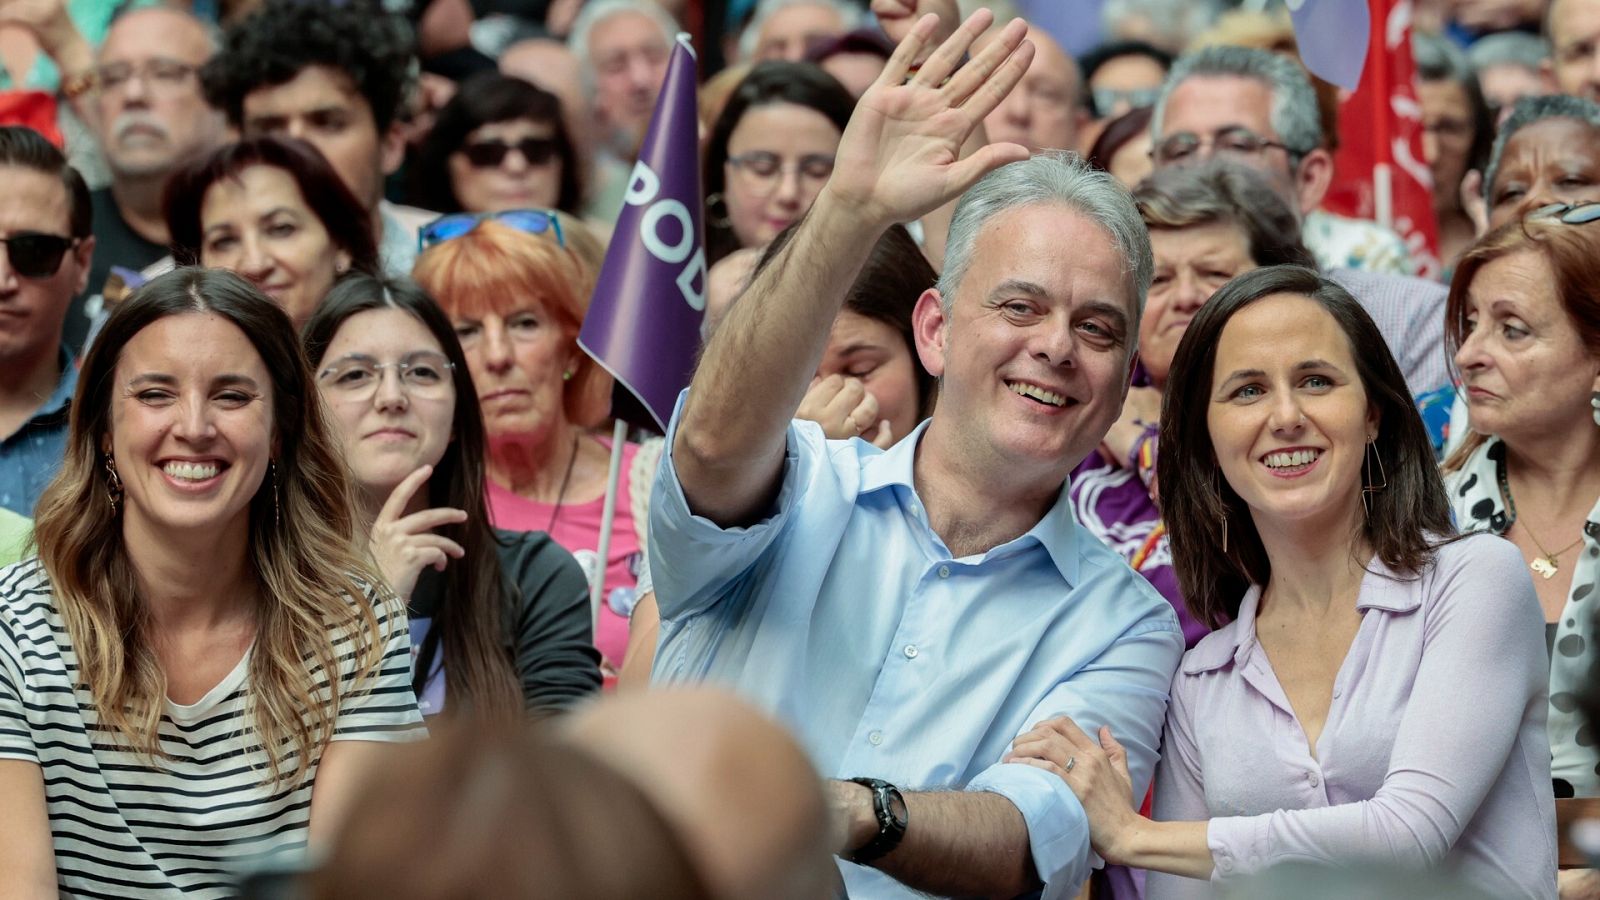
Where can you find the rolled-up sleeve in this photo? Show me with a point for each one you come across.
(692, 559)
(1124, 688)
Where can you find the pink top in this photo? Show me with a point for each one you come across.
(577, 528)
(1434, 751)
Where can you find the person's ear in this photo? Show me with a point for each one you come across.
(930, 328)
(341, 262)
(1312, 179)
(392, 148)
(1547, 74)
(83, 255)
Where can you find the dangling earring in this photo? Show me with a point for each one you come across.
(1216, 486)
(113, 485)
(1594, 401)
(1371, 487)
(714, 218)
(277, 513)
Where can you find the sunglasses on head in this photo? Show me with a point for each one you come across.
(490, 154)
(454, 225)
(1568, 213)
(35, 255)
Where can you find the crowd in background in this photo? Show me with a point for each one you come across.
(1067, 500)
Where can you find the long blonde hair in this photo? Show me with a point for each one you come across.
(314, 585)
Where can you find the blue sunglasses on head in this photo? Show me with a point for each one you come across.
(454, 225)
(1568, 213)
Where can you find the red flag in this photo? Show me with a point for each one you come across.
(1379, 171)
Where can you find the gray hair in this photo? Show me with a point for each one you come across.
(1508, 48)
(1439, 59)
(600, 10)
(1536, 109)
(851, 17)
(1056, 178)
(1294, 115)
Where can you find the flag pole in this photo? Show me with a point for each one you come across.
(608, 514)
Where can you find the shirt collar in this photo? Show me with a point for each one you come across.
(61, 397)
(1380, 588)
(1056, 531)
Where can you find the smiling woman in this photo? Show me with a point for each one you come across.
(1321, 721)
(199, 639)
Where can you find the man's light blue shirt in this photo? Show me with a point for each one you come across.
(844, 615)
(30, 456)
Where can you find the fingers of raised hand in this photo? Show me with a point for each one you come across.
(907, 52)
(984, 82)
(949, 54)
(402, 494)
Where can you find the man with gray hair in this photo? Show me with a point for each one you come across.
(622, 47)
(1509, 66)
(909, 612)
(143, 102)
(1258, 108)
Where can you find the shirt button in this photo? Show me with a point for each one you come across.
(1336, 693)
(911, 651)
(944, 571)
(1313, 779)
(875, 738)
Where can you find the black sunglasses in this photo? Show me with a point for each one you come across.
(490, 154)
(35, 255)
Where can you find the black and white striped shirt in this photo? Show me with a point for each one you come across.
(122, 827)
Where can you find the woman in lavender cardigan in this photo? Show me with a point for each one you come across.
(1374, 691)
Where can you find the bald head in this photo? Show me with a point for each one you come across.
(737, 787)
(1044, 111)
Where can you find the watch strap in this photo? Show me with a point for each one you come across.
(891, 828)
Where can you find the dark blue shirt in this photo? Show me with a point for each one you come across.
(30, 456)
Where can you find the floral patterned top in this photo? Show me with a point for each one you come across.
(1479, 505)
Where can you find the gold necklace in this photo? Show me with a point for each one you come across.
(1546, 564)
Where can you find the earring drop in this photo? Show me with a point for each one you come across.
(1594, 401)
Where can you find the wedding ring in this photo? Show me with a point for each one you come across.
(1071, 761)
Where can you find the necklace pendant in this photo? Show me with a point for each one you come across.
(1544, 566)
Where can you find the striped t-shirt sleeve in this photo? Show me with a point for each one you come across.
(16, 739)
(382, 708)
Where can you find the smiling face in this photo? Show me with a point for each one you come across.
(1549, 161)
(873, 351)
(191, 428)
(259, 226)
(1034, 352)
(1191, 264)
(1288, 417)
(518, 361)
(517, 181)
(1524, 365)
(780, 155)
(389, 426)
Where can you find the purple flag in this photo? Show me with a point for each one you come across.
(1333, 36)
(643, 323)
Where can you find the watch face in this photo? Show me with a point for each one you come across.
(897, 808)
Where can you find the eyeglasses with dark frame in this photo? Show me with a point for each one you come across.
(1237, 141)
(157, 71)
(33, 254)
(764, 168)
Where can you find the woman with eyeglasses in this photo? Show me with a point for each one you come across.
(200, 662)
(500, 620)
(273, 210)
(516, 295)
(499, 144)
(769, 153)
(1523, 320)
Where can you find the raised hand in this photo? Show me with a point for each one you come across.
(842, 406)
(403, 545)
(1096, 771)
(900, 156)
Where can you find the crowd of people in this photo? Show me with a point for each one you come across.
(1066, 502)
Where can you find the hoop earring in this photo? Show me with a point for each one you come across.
(714, 218)
(113, 485)
(1370, 487)
(277, 513)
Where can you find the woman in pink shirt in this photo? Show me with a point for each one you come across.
(1374, 691)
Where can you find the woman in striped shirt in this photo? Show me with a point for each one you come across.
(196, 662)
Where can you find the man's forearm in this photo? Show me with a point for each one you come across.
(963, 843)
(729, 444)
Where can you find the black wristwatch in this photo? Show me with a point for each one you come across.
(889, 808)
